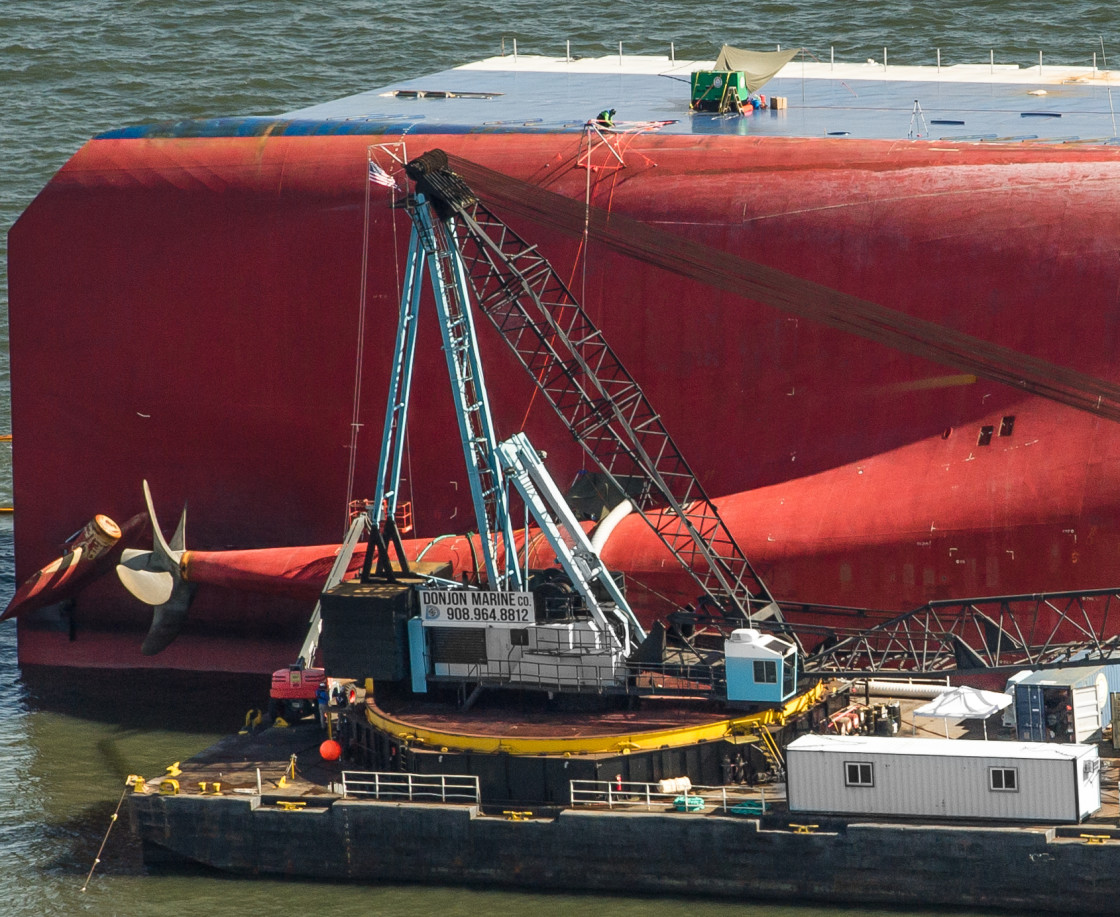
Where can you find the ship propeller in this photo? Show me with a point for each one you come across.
(155, 578)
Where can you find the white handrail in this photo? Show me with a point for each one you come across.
(455, 788)
(614, 794)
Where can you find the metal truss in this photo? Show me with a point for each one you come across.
(432, 242)
(605, 409)
(968, 635)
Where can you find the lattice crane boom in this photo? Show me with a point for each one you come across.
(602, 405)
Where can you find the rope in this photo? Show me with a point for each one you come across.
(397, 272)
(104, 840)
(359, 354)
(586, 222)
(580, 262)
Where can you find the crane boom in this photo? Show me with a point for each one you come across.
(602, 405)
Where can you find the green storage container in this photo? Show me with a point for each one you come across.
(710, 87)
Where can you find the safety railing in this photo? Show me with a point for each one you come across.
(455, 788)
(602, 673)
(675, 794)
(679, 678)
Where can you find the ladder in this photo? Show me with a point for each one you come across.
(770, 750)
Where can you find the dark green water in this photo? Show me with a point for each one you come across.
(71, 69)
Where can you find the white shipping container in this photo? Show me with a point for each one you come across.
(942, 778)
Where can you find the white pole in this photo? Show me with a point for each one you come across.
(938, 60)
(1040, 63)
(620, 54)
(526, 544)
(673, 52)
(992, 64)
(884, 58)
(515, 49)
(832, 57)
(568, 51)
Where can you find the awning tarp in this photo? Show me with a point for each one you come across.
(964, 703)
(759, 66)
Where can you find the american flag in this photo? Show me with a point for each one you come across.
(380, 176)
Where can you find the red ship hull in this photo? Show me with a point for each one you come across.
(186, 310)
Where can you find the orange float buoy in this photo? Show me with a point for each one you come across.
(330, 750)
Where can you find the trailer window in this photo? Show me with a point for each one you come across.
(765, 672)
(1003, 779)
(858, 773)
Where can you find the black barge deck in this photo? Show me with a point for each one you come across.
(614, 838)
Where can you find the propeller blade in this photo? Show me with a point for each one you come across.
(152, 587)
(167, 621)
(154, 577)
(179, 539)
(165, 557)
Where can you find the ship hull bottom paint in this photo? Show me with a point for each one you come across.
(220, 279)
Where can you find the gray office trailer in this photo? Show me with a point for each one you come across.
(942, 778)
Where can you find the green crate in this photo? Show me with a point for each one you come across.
(708, 86)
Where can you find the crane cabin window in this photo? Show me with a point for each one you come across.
(765, 672)
(858, 773)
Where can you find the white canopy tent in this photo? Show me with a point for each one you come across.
(965, 703)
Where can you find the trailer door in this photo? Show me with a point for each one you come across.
(1030, 713)
(1086, 714)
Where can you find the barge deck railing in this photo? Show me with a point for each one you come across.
(616, 794)
(456, 788)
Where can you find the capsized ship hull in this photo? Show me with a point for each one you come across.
(186, 309)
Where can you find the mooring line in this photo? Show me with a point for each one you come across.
(128, 784)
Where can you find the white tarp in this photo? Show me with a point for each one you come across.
(965, 703)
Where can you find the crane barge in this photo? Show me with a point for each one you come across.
(569, 628)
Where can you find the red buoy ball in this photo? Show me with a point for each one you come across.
(330, 750)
